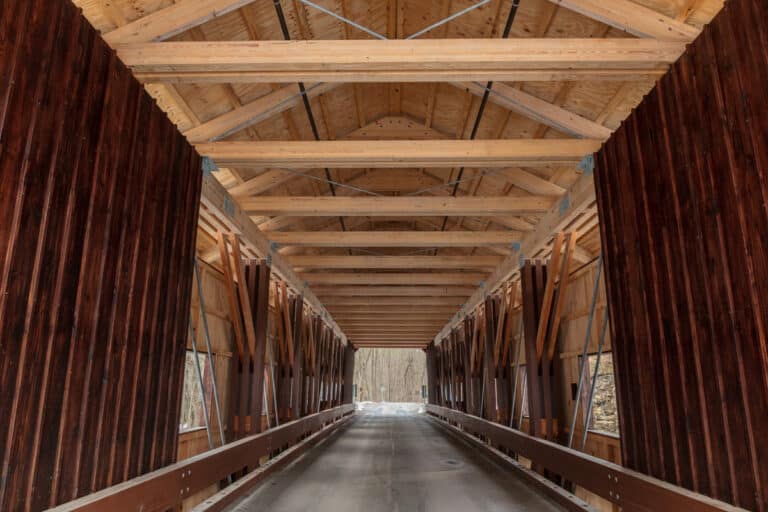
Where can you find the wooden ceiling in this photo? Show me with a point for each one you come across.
(395, 191)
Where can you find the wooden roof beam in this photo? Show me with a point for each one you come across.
(172, 20)
(382, 302)
(394, 291)
(403, 278)
(393, 238)
(415, 346)
(261, 183)
(539, 110)
(633, 18)
(399, 153)
(423, 60)
(369, 206)
(404, 311)
(254, 112)
(394, 262)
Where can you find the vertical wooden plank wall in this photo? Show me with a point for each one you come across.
(98, 206)
(683, 194)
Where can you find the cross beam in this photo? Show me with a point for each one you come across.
(427, 60)
(367, 154)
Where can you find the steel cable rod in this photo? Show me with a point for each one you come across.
(204, 316)
(202, 388)
(280, 103)
(305, 100)
(588, 416)
(333, 182)
(584, 359)
(518, 350)
(484, 101)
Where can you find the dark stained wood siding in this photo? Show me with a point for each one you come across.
(98, 206)
(682, 195)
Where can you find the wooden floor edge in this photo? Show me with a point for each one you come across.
(236, 491)
(551, 490)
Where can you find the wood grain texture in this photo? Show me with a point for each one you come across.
(681, 189)
(98, 208)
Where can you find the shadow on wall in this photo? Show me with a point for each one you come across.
(390, 374)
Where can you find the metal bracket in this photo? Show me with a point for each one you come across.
(209, 167)
(516, 246)
(587, 164)
(229, 207)
(565, 204)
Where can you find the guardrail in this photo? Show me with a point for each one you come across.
(631, 490)
(169, 486)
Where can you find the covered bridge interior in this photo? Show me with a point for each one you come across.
(209, 209)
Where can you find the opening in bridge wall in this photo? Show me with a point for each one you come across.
(390, 374)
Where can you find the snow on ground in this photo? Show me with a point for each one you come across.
(390, 408)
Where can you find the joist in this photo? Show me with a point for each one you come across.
(254, 112)
(394, 291)
(416, 278)
(172, 20)
(394, 262)
(580, 197)
(394, 238)
(386, 314)
(399, 153)
(383, 309)
(415, 60)
(393, 331)
(374, 206)
(364, 344)
(530, 182)
(363, 311)
(221, 207)
(539, 110)
(633, 18)
(394, 337)
(386, 323)
(382, 302)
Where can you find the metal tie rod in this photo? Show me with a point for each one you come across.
(202, 388)
(584, 361)
(204, 316)
(588, 417)
(383, 37)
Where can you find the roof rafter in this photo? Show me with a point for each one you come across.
(633, 18)
(254, 112)
(172, 20)
(539, 110)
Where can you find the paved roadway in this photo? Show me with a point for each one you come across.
(394, 459)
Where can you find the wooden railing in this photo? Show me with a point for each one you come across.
(631, 490)
(169, 486)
